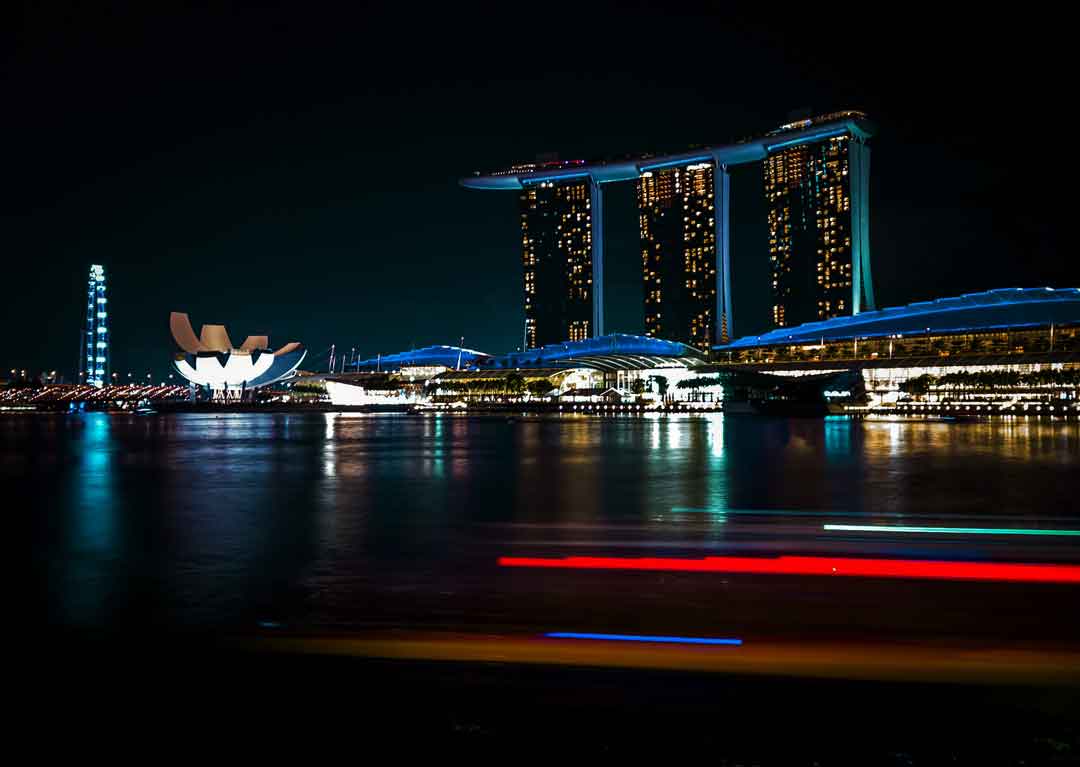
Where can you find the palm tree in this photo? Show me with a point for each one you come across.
(539, 388)
(515, 384)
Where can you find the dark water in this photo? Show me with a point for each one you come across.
(218, 522)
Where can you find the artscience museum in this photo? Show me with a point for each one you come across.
(210, 360)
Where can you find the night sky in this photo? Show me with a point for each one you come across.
(294, 170)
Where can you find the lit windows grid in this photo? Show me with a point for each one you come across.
(556, 226)
(677, 225)
(808, 193)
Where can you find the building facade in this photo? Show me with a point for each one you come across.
(816, 244)
(1006, 322)
(95, 365)
(557, 246)
(677, 224)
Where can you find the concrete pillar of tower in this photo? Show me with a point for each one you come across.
(725, 324)
(597, 216)
(862, 285)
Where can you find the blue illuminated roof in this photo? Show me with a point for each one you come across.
(617, 350)
(994, 309)
(615, 345)
(429, 356)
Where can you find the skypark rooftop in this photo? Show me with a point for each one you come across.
(755, 150)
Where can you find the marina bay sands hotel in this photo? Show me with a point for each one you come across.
(817, 174)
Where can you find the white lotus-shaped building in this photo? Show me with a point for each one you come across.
(210, 359)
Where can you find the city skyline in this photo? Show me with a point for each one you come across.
(274, 176)
(557, 375)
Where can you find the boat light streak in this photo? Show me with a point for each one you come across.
(720, 511)
(645, 638)
(837, 566)
(949, 530)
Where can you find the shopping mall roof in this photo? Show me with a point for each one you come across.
(992, 310)
(617, 351)
(429, 356)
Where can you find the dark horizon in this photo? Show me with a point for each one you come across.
(294, 171)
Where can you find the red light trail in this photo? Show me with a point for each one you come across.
(836, 566)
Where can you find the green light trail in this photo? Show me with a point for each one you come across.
(949, 530)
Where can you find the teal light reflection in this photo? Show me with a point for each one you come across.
(93, 545)
(96, 523)
(716, 477)
(438, 447)
(329, 450)
(837, 437)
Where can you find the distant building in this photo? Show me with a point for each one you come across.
(676, 216)
(1006, 322)
(556, 239)
(818, 229)
(1006, 351)
(95, 365)
(450, 373)
(589, 368)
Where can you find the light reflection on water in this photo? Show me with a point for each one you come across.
(203, 519)
(93, 535)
